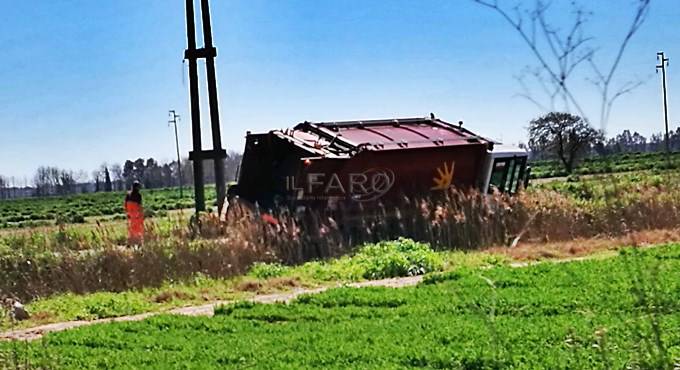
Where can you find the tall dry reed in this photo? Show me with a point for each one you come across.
(39, 264)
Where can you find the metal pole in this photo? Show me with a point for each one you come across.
(175, 116)
(663, 63)
(220, 181)
(199, 188)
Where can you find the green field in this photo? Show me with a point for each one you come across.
(32, 212)
(626, 162)
(620, 312)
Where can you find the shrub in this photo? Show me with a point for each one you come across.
(267, 270)
(401, 257)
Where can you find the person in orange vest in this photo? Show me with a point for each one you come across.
(135, 214)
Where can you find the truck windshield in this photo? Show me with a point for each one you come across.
(506, 174)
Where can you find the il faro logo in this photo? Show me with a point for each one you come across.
(361, 186)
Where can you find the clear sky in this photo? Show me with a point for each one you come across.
(85, 82)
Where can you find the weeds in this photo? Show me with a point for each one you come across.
(73, 260)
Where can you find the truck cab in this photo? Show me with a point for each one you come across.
(505, 169)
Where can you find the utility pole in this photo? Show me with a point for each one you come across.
(198, 155)
(663, 63)
(199, 189)
(218, 157)
(174, 117)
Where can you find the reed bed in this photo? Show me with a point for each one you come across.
(40, 264)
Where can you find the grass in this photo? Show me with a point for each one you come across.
(615, 313)
(386, 259)
(100, 305)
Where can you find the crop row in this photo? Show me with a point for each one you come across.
(608, 164)
(617, 313)
(75, 208)
(614, 189)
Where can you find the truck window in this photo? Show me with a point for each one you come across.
(514, 180)
(498, 175)
(511, 179)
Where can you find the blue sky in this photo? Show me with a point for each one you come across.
(86, 82)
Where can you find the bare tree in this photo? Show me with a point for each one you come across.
(560, 52)
(66, 183)
(232, 164)
(44, 180)
(117, 173)
(565, 136)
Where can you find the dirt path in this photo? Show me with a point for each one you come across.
(203, 310)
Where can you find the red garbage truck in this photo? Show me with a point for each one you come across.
(320, 163)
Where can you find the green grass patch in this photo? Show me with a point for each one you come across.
(621, 312)
(387, 259)
(99, 305)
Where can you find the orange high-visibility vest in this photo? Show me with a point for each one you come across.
(135, 215)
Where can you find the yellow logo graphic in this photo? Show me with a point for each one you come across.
(443, 181)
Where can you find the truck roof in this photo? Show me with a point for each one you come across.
(342, 139)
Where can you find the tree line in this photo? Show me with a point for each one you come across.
(49, 180)
(569, 138)
(624, 142)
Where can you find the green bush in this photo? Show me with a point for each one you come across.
(401, 257)
(267, 270)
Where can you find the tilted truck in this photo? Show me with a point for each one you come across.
(320, 164)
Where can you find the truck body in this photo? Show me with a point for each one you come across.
(318, 164)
